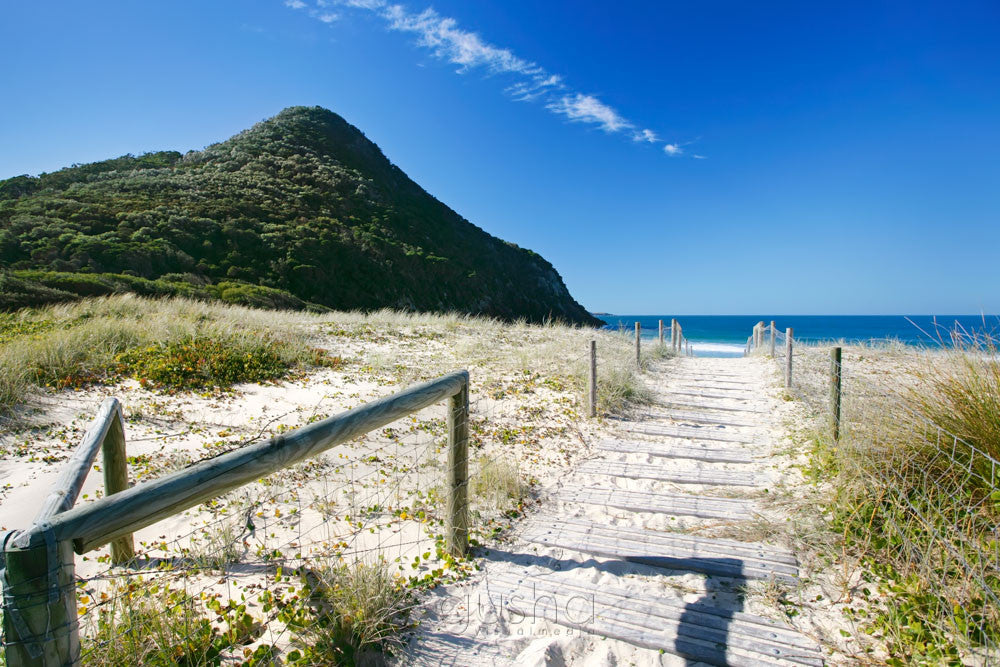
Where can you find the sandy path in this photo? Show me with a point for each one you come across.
(631, 560)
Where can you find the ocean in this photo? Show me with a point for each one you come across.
(726, 335)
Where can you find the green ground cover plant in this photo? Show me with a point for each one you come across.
(171, 344)
(915, 499)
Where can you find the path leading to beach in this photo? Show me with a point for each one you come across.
(646, 553)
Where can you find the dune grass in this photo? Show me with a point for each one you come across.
(914, 496)
(962, 396)
(169, 343)
(178, 343)
(353, 615)
(498, 484)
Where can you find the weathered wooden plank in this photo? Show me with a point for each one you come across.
(74, 473)
(691, 433)
(749, 383)
(115, 469)
(592, 378)
(707, 407)
(457, 526)
(656, 606)
(671, 451)
(714, 636)
(716, 387)
(678, 415)
(703, 507)
(664, 474)
(40, 620)
(705, 544)
(702, 394)
(660, 550)
(100, 522)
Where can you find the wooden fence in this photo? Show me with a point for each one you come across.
(767, 339)
(39, 586)
(678, 345)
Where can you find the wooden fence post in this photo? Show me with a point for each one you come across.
(40, 621)
(788, 358)
(638, 357)
(835, 377)
(115, 466)
(661, 333)
(458, 473)
(592, 386)
(673, 335)
(774, 333)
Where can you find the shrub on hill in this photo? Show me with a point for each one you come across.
(302, 206)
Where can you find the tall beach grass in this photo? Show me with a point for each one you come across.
(914, 494)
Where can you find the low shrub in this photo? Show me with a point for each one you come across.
(203, 361)
(156, 625)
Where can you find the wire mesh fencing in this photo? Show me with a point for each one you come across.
(918, 505)
(322, 561)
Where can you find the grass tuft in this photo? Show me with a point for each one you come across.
(360, 608)
(498, 483)
(167, 343)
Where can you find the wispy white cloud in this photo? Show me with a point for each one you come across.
(589, 109)
(527, 91)
(646, 135)
(447, 41)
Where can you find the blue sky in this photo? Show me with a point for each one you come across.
(837, 158)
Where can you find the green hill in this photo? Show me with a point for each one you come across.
(300, 211)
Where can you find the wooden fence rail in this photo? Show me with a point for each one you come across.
(40, 619)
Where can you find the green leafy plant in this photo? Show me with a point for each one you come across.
(199, 362)
(152, 623)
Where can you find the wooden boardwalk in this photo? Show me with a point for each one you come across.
(619, 553)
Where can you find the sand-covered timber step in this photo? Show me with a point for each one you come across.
(676, 504)
(674, 551)
(691, 433)
(696, 631)
(674, 451)
(688, 416)
(666, 474)
(706, 406)
(701, 394)
(745, 382)
(716, 387)
(714, 372)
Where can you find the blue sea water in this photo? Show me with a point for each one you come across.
(726, 335)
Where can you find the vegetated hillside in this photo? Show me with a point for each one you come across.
(299, 210)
